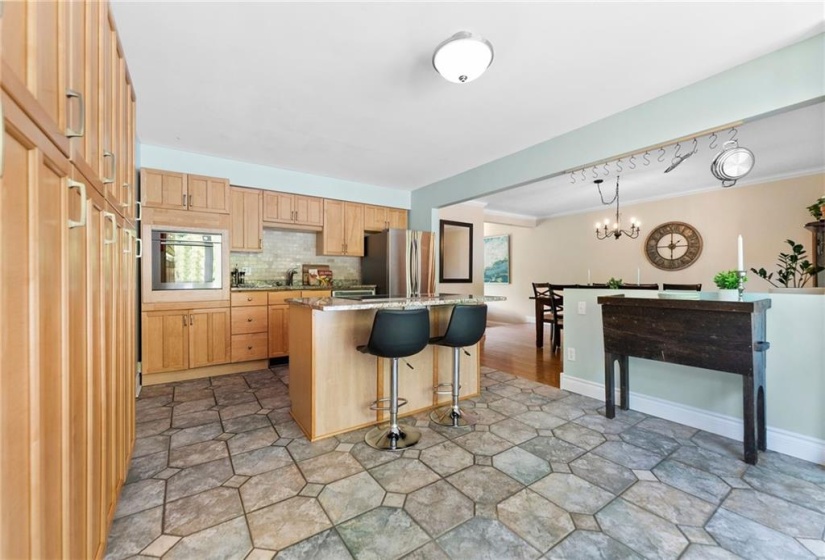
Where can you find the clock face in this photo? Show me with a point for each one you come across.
(673, 246)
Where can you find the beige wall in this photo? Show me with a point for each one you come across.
(562, 249)
(474, 214)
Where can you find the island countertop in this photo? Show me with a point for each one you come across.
(379, 302)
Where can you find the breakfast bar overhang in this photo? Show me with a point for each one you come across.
(332, 384)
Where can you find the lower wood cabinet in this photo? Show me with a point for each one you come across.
(175, 340)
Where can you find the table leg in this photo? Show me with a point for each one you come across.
(749, 412)
(624, 383)
(539, 324)
(761, 396)
(609, 386)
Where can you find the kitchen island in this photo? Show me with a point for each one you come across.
(331, 384)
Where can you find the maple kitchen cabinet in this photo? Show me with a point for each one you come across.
(180, 339)
(66, 219)
(179, 191)
(379, 218)
(343, 232)
(247, 227)
(284, 210)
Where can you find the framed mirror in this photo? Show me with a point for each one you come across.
(456, 252)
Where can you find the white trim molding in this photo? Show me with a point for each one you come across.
(782, 441)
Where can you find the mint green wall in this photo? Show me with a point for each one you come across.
(272, 178)
(795, 363)
(783, 79)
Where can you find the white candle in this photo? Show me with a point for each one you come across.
(588, 276)
(740, 263)
(638, 276)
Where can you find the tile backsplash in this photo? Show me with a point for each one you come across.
(288, 249)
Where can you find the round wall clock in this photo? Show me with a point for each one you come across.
(673, 246)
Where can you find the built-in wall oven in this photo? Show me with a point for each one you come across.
(186, 260)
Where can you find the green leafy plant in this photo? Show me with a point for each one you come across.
(727, 280)
(614, 283)
(816, 208)
(794, 268)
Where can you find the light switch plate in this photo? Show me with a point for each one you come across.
(571, 354)
(582, 308)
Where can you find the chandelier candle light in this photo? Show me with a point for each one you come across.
(603, 231)
(740, 266)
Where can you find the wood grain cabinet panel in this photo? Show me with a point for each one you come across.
(162, 189)
(247, 320)
(208, 194)
(247, 347)
(246, 220)
(165, 341)
(278, 330)
(397, 218)
(239, 299)
(343, 232)
(306, 212)
(210, 341)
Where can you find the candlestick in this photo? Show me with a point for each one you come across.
(638, 277)
(740, 263)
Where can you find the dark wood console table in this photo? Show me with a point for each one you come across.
(727, 336)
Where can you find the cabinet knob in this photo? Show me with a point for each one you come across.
(249, 320)
(249, 348)
(249, 299)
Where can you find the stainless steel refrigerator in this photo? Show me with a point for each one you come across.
(400, 262)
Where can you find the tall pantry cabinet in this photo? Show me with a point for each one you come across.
(68, 250)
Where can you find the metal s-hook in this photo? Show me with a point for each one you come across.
(662, 155)
(595, 175)
(572, 178)
(713, 139)
(619, 167)
(678, 149)
(606, 170)
(584, 177)
(632, 162)
(695, 147)
(646, 157)
(733, 132)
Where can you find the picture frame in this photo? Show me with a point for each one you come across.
(497, 259)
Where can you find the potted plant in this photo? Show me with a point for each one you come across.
(817, 209)
(728, 283)
(794, 271)
(614, 283)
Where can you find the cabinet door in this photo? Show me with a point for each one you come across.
(33, 350)
(247, 224)
(162, 189)
(397, 218)
(375, 218)
(106, 108)
(333, 234)
(309, 210)
(165, 341)
(207, 194)
(353, 229)
(209, 338)
(278, 326)
(278, 207)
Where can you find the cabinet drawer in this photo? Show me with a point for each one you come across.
(242, 299)
(246, 347)
(277, 298)
(249, 320)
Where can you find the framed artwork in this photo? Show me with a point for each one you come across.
(497, 259)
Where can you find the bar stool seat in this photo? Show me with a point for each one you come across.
(396, 333)
(466, 327)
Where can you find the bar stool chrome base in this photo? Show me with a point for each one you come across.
(384, 437)
(452, 417)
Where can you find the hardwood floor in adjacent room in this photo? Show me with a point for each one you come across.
(512, 348)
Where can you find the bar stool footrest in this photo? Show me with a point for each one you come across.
(374, 405)
(450, 392)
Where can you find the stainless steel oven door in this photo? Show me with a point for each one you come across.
(186, 260)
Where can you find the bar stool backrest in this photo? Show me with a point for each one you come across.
(466, 327)
(398, 333)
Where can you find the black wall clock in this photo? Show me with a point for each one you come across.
(673, 246)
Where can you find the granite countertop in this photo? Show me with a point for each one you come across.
(278, 287)
(343, 304)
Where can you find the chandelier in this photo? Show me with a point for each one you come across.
(605, 231)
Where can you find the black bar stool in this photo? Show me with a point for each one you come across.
(396, 334)
(466, 327)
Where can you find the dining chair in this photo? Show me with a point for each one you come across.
(639, 287)
(689, 287)
(557, 306)
(542, 290)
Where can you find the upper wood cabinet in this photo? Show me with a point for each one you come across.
(247, 226)
(179, 191)
(343, 232)
(379, 218)
(293, 210)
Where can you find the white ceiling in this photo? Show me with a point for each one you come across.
(347, 90)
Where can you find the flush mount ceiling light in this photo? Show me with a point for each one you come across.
(463, 57)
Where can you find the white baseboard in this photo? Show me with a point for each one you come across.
(782, 441)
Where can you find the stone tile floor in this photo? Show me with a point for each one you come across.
(221, 471)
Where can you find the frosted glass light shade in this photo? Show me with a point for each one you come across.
(463, 57)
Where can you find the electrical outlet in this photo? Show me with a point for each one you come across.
(582, 308)
(246, 270)
(571, 354)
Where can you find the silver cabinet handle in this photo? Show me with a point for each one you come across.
(128, 188)
(109, 180)
(111, 217)
(127, 248)
(184, 201)
(82, 187)
(139, 213)
(139, 250)
(191, 321)
(70, 133)
(184, 319)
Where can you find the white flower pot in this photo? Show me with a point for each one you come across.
(728, 295)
